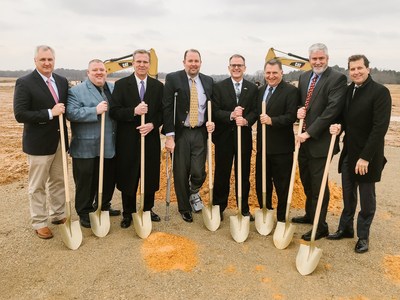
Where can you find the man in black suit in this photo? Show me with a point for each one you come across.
(234, 104)
(187, 136)
(281, 106)
(134, 96)
(366, 120)
(322, 92)
(39, 100)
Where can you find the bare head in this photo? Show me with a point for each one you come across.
(141, 63)
(358, 68)
(44, 59)
(237, 67)
(192, 62)
(273, 72)
(319, 57)
(96, 72)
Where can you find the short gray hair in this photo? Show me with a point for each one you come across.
(44, 48)
(318, 47)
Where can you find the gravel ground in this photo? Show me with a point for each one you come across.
(114, 267)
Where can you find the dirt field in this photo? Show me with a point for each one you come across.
(181, 260)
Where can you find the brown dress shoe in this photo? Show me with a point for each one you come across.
(44, 233)
(59, 222)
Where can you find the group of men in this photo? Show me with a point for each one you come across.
(323, 99)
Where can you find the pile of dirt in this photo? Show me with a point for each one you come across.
(391, 264)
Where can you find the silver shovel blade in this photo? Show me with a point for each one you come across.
(264, 221)
(240, 227)
(142, 223)
(283, 234)
(100, 222)
(211, 217)
(307, 259)
(71, 234)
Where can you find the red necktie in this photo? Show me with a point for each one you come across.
(309, 94)
(52, 91)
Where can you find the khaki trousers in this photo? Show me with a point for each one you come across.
(46, 181)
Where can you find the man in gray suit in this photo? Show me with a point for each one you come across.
(86, 102)
(322, 91)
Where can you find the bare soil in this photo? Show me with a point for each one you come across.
(180, 260)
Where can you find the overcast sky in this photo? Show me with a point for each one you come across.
(86, 29)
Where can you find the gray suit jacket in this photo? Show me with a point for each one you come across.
(85, 123)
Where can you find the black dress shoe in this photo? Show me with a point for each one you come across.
(248, 214)
(341, 234)
(361, 246)
(114, 212)
(154, 216)
(187, 217)
(126, 222)
(302, 220)
(84, 221)
(319, 235)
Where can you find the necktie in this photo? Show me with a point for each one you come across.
(103, 94)
(269, 94)
(237, 91)
(309, 94)
(194, 105)
(142, 90)
(354, 91)
(52, 91)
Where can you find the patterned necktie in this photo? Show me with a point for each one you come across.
(237, 91)
(194, 105)
(52, 91)
(309, 95)
(269, 94)
(142, 90)
(103, 94)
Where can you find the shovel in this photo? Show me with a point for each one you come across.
(264, 218)
(99, 219)
(308, 256)
(284, 231)
(169, 172)
(239, 224)
(210, 212)
(142, 219)
(71, 232)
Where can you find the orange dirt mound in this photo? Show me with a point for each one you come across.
(165, 252)
(391, 264)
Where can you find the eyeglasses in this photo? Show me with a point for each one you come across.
(236, 66)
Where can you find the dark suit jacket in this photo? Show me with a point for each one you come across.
(366, 121)
(177, 82)
(282, 109)
(32, 100)
(325, 107)
(125, 98)
(224, 102)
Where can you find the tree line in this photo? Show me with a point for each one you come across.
(381, 76)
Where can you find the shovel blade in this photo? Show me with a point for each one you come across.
(307, 259)
(240, 227)
(211, 217)
(71, 234)
(283, 234)
(142, 223)
(100, 222)
(264, 221)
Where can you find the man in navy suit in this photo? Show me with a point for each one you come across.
(322, 92)
(366, 119)
(186, 141)
(136, 95)
(234, 104)
(86, 103)
(281, 106)
(39, 100)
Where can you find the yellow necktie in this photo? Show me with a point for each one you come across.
(194, 105)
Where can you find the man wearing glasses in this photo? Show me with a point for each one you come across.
(234, 105)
